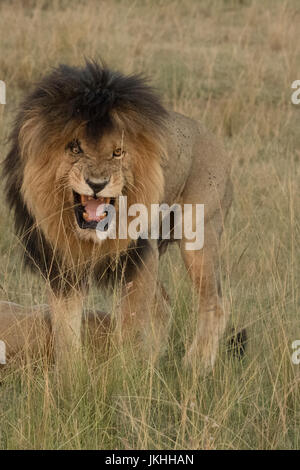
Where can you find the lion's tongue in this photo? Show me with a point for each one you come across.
(94, 209)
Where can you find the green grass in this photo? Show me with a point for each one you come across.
(231, 65)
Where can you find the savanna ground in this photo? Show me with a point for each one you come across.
(230, 64)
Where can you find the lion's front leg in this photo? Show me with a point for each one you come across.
(66, 316)
(144, 315)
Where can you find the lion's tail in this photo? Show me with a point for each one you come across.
(237, 343)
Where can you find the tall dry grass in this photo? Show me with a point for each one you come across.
(230, 64)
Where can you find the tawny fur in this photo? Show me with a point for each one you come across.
(169, 158)
(27, 332)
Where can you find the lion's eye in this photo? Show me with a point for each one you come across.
(118, 153)
(74, 146)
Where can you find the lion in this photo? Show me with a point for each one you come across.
(26, 331)
(84, 137)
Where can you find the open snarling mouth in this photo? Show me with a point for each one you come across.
(89, 211)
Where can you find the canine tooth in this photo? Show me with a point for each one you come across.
(85, 216)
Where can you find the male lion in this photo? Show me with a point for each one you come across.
(82, 138)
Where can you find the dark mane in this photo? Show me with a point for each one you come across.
(89, 94)
(86, 95)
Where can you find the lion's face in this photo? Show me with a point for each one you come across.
(84, 137)
(95, 173)
(69, 182)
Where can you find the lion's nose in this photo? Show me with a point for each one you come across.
(97, 185)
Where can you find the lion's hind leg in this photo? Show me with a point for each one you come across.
(211, 318)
